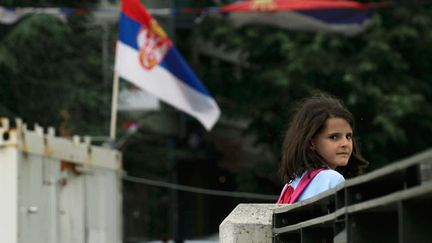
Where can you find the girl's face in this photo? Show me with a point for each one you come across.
(334, 144)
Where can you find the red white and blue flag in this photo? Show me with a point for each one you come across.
(146, 57)
(347, 17)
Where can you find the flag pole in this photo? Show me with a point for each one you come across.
(114, 102)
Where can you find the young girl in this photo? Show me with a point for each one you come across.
(319, 149)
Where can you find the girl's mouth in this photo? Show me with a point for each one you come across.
(343, 154)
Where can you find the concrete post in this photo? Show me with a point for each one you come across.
(248, 223)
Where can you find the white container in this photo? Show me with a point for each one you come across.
(57, 190)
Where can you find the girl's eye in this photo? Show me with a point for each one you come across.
(349, 136)
(333, 137)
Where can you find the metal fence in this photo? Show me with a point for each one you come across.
(57, 190)
(392, 204)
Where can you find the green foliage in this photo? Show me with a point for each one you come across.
(382, 75)
(51, 74)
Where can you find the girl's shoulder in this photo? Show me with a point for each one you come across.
(329, 177)
(330, 172)
(323, 181)
(324, 177)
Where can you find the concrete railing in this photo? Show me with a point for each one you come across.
(392, 204)
(248, 223)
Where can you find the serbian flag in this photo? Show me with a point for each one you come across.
(146, 57)
(346, 17)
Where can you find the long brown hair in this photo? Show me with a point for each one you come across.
(309, 118)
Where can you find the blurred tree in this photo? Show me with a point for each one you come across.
(51, 73)
(381, 74)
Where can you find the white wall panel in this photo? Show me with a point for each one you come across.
(55, 190)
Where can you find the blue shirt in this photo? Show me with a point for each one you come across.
(323, 181)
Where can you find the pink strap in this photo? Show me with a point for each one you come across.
(304, 182)
(285, 194)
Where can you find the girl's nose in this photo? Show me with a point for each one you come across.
(345, 142)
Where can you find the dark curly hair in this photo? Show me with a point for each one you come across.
(308, 120)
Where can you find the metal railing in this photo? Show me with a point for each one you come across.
(391, 204)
